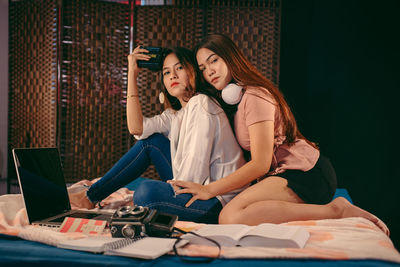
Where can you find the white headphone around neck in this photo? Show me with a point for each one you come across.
(232, 94)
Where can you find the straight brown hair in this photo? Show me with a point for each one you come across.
(245, 74)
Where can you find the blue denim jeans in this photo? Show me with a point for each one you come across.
(155, 149)
(150, 193)
(161, 196)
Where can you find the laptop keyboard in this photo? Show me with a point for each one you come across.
(83, 215)
(55, 228)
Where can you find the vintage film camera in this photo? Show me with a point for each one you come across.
(155, 62)
(132, 222)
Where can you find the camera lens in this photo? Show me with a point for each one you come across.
(137, 210)
(128, 231)
(124, 211)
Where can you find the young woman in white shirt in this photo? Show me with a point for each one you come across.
(190, 141)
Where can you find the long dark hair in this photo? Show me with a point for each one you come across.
(245, 74)
(186, 58)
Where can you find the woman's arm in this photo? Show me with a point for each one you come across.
(134, 114)
(262, 145)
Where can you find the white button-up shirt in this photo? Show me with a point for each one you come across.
(203, 146)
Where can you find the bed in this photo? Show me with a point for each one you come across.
(343, 242)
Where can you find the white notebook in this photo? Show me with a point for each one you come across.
(144, 248)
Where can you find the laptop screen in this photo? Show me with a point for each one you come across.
(42, 182)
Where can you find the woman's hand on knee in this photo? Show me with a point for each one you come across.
(198, 191)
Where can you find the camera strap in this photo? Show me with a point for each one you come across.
(189, 259)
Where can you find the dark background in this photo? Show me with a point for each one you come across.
(340, 74)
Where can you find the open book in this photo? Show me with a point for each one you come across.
(263, 235)
(144, 248)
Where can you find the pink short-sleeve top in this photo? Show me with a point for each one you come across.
(257, 106)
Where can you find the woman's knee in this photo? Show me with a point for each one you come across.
(150, 191)
(155, 138)
(229, 215)
(143, 193)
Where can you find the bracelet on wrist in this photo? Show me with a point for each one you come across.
(131, 96)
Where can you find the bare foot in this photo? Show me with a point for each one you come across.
(79, 199)
(346, 209)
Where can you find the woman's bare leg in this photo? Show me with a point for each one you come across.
(272, 201)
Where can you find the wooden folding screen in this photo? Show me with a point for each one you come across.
(95, 44)
(255, 28)
(33, 104)
(68, 67)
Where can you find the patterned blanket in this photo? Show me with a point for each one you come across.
(335, 239)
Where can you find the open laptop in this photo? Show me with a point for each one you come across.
(43, 188)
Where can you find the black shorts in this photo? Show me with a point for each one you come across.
(316, 186)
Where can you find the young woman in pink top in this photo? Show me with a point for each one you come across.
(290, 179)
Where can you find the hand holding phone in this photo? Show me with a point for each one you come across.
(155, 61)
